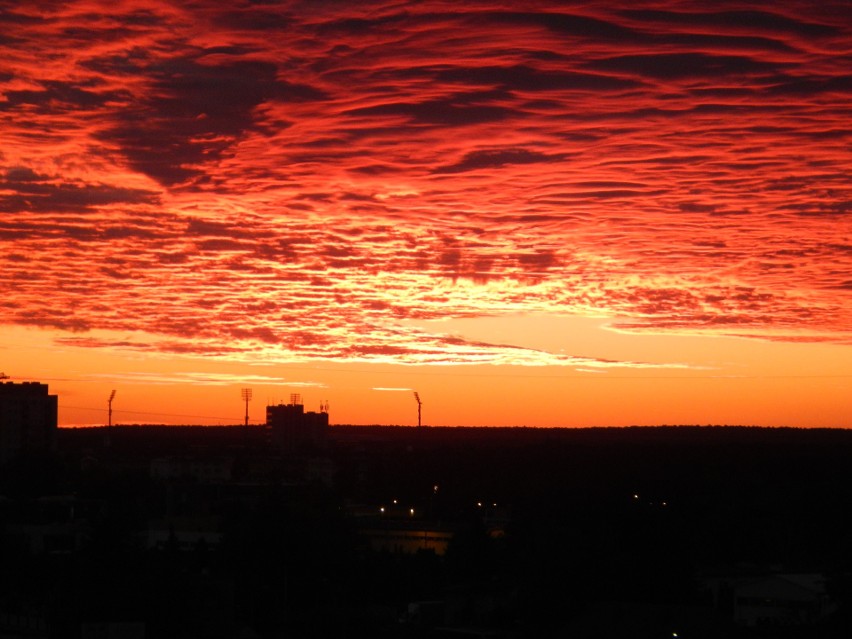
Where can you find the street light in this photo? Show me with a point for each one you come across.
(246, 395)
(109, 408)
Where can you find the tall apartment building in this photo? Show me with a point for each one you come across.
(28, 419)
(295, 431)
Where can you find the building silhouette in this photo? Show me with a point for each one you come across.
(28, 419)
(295, 431)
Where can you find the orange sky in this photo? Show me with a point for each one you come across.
(560, 216)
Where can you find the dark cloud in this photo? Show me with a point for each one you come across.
(292, 92)
(11, 16)
(55, 97)
(204, 228)
(723, 43)
(742, 21)
(685, 65)
(540, 260)
(359, 26)
(50, 318)
(494, 159)
(195, 112)
(25, 190)
(525, 78)
(462, 109)
(254, 19)
(566, 24)
(221, 244)
(788, 85)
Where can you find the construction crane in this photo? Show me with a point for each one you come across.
(419, 404)
(109, 407)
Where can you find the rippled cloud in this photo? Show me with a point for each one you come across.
(294, 180)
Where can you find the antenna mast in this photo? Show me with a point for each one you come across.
(246, 395)
(109, 408)
(419, 404)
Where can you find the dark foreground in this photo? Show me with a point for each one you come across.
(645, 532)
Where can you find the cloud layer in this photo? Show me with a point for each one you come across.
(291, 180)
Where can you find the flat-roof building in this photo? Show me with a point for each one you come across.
(28, 419)
(295, 431)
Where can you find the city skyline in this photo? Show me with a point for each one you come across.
(570, 215)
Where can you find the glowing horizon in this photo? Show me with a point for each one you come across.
(568, 215)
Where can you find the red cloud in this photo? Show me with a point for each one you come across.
(260, 179)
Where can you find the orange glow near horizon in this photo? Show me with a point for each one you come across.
(563, 216)
(730, 381)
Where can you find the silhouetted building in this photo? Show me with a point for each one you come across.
(28, 419)
(54, 525)
(295, 431)
(408, 538)
(772, 599)
(781, 600)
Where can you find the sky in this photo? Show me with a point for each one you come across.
(533, 214)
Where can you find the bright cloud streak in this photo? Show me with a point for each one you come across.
(201, 379)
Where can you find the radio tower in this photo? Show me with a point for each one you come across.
(109, 408)
(419, 404)
(246, 395)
